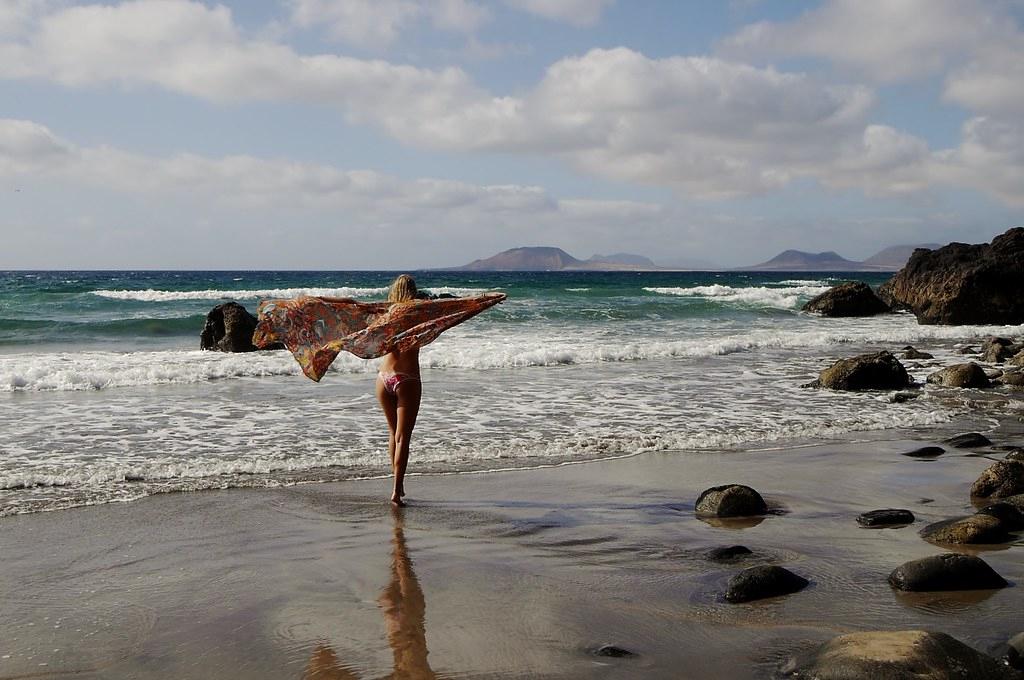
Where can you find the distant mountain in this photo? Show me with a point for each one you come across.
(895, 257)
(626, 259)
(798, 260)
(530, 259)
(889, 259)
(546, 258)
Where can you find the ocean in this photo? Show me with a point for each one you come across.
(105, 395)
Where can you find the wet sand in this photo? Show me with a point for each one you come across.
(509, 574)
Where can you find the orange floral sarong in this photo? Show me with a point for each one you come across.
(315, 330)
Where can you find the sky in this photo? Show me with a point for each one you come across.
(407, 134)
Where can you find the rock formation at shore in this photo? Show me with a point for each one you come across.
(963, 284)
(229, 328)
(854, 298)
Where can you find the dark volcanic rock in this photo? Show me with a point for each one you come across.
(963, 284)
(1015, 653)
(729, 552)
(903, 397)
(1016, 454)
(979, 528)
(967, 350)
(1016, 501)
(614, 652)
(1017, 359)
(896, 655)
(996, 353)
(764, 581)
(886, 518)
(848, 299)
(1002, 478)
(1014, 379)
(911, 353)
(229, 328)
(879, 371)
(731, 500)
(926, 452)
(968, 440)
(1010, 515)
(960, 375)
(949, 571)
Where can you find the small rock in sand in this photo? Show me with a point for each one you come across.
(1011, 516)
(912, 353)
(1002, 478)
(978, 528)
(969, 440)
(960, 375)
(731, 500)
(613, 651)
(967, 350)
(879, 371)
(764, 581)
(896, 655)
(889, 517)
(949, 571)
(729, 553)
(1015, 653)
(926, 452)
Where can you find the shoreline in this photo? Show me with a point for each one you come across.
(505, 574)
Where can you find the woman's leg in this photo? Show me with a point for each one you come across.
(388, 404)
(408, 393)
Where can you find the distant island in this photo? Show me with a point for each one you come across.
(890, 259)
(551, 259)
(546, 259)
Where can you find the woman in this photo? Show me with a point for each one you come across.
(398, 391)
(316, 329)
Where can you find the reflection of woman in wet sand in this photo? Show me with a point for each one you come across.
(404, 610)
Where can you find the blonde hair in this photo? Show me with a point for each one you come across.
(402, 289)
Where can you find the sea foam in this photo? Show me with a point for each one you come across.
(788, 297)
(150, 295)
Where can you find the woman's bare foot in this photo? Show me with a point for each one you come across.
(397, 501)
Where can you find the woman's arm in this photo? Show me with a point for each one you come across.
(334, 299)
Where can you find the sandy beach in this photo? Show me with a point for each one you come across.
(506, 574)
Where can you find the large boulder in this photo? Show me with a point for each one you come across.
(1001, 479)
(963, 284)
(855, 298)
(764, 581)
(960, 375)
(896, 655)
(879, 371)
(229, 328)
(730, 500)
(949, 571)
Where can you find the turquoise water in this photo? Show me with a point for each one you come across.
(105, 396)
(139, 309)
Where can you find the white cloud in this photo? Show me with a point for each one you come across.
(706, 127)
(993, 81)
(887, 41)
(990, 159)
(369, 201)
(575, 12)
(378, 23)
